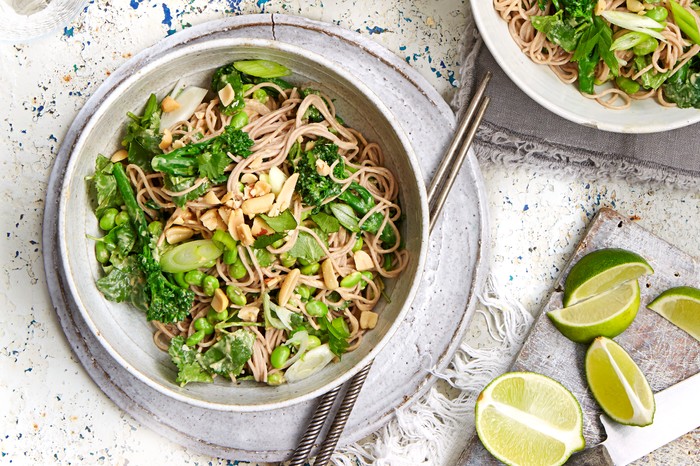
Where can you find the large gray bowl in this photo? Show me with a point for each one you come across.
(122, 329)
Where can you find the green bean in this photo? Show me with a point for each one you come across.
(388, 266)
(351, 280)
(101, 252)
(239, 120)
(645, 47)
(276, 378)
(310, 269)
(209, 285)
(121, 218)
(314, 342)
(195, 338)
(316, 308)
(203, 325)
(180, 280)
(279, 356)
(287, 260)
(658, 14)
(194, 277)
(213, 316)
(237, 269)
(107, 221)
(155, 228)
(260, 95)
(626, 84)
(235, 295)
(358, 244)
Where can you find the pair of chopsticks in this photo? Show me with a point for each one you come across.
(437, 195)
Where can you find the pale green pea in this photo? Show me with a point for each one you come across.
(235, 295)
(276, 378)
(358, 244)
(310, 269)
(303, 261)
(101, 252)
(108, 219)
(180, 280)
(246, 87)
(203, 325)
(155, 228)
(209, 285)
(241, 187)
(230, 256)
(628, 85)
(260, 95)
(239, 120)
(367, 277)
(645, 47)
(121, 218)
(279, 356)
(194, 277)
(278, 244)
(195, 338)
(213, 316)
(316, 308)
(351, 280)
(237, 269)
(303, 291)
(658, 13)
(314, 342)
(287, 260)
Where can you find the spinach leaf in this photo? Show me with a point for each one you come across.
(327, 223)
(306, 247)
(683, 88)
(558, 31)
(125, 283)
(143, 135)
(185, 358)
(652, 79)
(281, 223)
(261, 242)
(228, 356)
(346, 216)
(105, 186)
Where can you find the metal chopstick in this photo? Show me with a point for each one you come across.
(440, 187)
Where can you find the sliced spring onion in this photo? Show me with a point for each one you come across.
(282, 317)
(276, 180)
(628, 40)
(633, 22)
(262, 68)
(313, 361)
(685, 21)
(300, 339)
(190, 256)
(189, 99)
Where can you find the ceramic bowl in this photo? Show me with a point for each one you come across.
(545, 88)
(122, 329)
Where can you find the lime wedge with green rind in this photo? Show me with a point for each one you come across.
(681, 306)
(618, 385)
(528, 419)
(602, 270)
(607, 314)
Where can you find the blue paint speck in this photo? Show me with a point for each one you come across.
(167, 17)
(527, 207)
(68, 32)
(375, 30)
(402, 48)
(135, 3)
(261, 4)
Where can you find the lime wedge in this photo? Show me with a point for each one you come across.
(601, 270)
(681, 306)
(618, 384)
(607, 314)
(524, 418)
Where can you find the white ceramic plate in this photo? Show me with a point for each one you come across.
(543, 86)
(122, 329)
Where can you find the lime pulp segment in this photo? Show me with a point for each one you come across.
(681, 306)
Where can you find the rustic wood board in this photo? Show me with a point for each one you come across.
(664, 353)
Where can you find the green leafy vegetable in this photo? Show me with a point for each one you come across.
(683, 88)
(306, 247)
(337, 334)
(557, 30)
(327, 223)
(143, 134)
(281, 223)
(105, 186)
(346, 216)
(361, 200)
(264, 257)
(651, 79)
(262, 68)
(228, 355)
(315, 188)
(185, 358)
(261, 242)
(125, 284)
(685, 21)
(223, 76)
(593, 45)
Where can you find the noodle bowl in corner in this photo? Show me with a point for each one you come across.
(251, 224)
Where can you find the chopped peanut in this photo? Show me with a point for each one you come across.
(261, 188)
(227, 95)
(212, 221)
(211, 198)
(248, 178)
(368, 319)
(174, 235)
(258, 205)
(234, 221)
(322, 168)
(220, 300)
(245, 235)
(329, 278)
(288, 285)
(249, 313)
(260, 228)
(169, 104)
(363, 261)
(284, 198)
(119, 155)
(166, 140)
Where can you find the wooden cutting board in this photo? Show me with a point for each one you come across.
(664, 353)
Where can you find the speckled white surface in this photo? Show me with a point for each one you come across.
(51, 412)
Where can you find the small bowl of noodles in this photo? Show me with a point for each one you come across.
(243, 225)
(627, 66)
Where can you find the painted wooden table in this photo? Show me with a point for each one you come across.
(51, 412)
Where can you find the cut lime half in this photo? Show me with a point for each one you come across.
(618, 385)
(607, 314)
(602, 270)
(528, 419)
(681, 306)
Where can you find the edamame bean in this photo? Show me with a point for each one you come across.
(121, 218)
(279, 356)
(194, 277)
(246, 87)
(276, 378)
(101, 252)
(303, 291)
(303, 261)
(658, 13)
(358, 244)
(310, 269)
(367, 277)
(224, 239)
(351, 280)
(260, 95)
(239, 120)
(316, 308)
(203, 325)
(627, 84)
(209, 285)
(195, 338)
(237, 269)
(155, 228)
(287, 260)
(180, 280)
(213, 316)
(645, 47)
(314, 342)
(230, 256)
(236, 296)
(108, 219)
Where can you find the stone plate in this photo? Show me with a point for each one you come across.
(436, 322)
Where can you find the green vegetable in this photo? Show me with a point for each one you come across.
(279, 356)
(260, 95)
(351, 280)
(306, 247)
(237, 269)
(230, 256)
(209, 285)
(367, 277)
(628, 85)
(685, 21)
(314, 188)
(125, 283)
(361, 200)
(658, 14)
(558, 30)
(312, 113)
(155, 228)
(228, 355)
(235, 295)
(202, 324)
(316, 308)
(683, 87)
(179, 278)
(313, 342)
(239, 120)
(310, 269)
(646, 46)
(143, 135)
(101, 252)
(326, 223)
(262, 68)
(223, 76)
(276, 378)
(213, 316)
(337, 333)
(346, 216)
(629, 40)
(224, 240)
(194, 277)
(261, 242)
(189, 256)
(185, 358)
(104, 186)
(304, 292)
(358, 244)
(634, 22)
(287, 260)
(108, 219)
(264, 257)
(195, 338)
(651, 79)
(121, 218)
(388, 266)
(285, 221)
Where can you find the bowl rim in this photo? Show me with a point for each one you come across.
(172, 390)
(519, 78)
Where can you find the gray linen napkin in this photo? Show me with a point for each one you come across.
(517, 130)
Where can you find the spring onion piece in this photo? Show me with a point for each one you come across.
(313, 361)
(282, 318)
(262, 68)
(633, 22)
(189, 99)
(190, 256)
(685, 21)
(276, 180)
(300, 339)
(628, 40)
